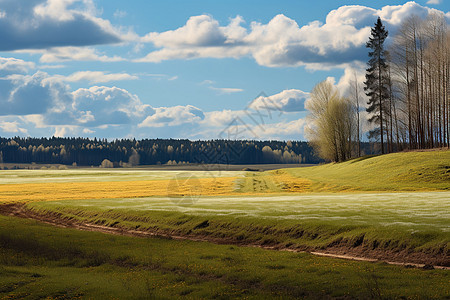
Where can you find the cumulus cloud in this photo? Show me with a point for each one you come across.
(45, 100)
(222, 118)
(227, 124)
(173, 116)
(104, 105)
(42, 24)
(39, 104)
(12, 127)
(281, 42)
(25, 94)
(281, 129)
(14, 65)
(286, 101)
(94, 77)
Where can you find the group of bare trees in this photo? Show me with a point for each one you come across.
(407, 87)
(419, 84)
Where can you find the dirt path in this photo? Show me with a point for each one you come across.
(401, 259)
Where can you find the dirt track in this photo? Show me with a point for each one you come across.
(420, 260)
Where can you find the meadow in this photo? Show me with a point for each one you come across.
(393, 208)
(42, 261)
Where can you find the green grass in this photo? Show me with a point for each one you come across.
(410, 171)
(416, 222)
(396, 203)
(41, 261)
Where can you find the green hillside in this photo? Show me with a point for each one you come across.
(406, 171)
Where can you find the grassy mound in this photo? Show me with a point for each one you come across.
(407, 171)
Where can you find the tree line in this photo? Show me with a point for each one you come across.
(407, 89)
(131, 152)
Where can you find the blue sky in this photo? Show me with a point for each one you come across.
(179, 69)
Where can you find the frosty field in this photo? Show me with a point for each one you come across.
(416, 212)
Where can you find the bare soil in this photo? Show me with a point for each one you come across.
(405, 258)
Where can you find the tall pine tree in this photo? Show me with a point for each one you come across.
(376, 79)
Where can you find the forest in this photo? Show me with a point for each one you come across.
(131, 152)
(127, 152)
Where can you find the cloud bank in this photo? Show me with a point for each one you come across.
(282, 41)
(40, 24)
(39, 103)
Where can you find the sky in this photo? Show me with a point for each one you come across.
(198, 69)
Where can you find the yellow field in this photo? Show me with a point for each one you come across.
(289, 183)
(51, 191)
(415, 171)
(278, 181)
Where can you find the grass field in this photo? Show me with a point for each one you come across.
(393, 207)
(41, 261)
(415, 222)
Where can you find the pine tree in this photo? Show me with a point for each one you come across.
(377, 79)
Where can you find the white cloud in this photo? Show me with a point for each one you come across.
(104, 105)
(55, 9)
(285, 101)
(11, 64)
(227, 90)
(346, 81)
(42, 24)
(222, 118)
(115, 112)
(199, 31)
(173, 116)
(44, 100)
(52, 66)
(38, 121)
(434, 2)
(220, 89)
(94, 77)
(228, 124)
(88, 131)
(281, 42)
(207, 82)
(247, 124)
(277, 131)
(60, 131)
(28, 94)
(12, 127)
(60, 54)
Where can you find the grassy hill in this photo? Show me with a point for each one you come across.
(406, 171)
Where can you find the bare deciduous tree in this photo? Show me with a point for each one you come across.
(333, 123)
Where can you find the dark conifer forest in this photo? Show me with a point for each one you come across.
(127, 152)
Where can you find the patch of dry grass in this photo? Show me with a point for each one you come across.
(30, 192)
